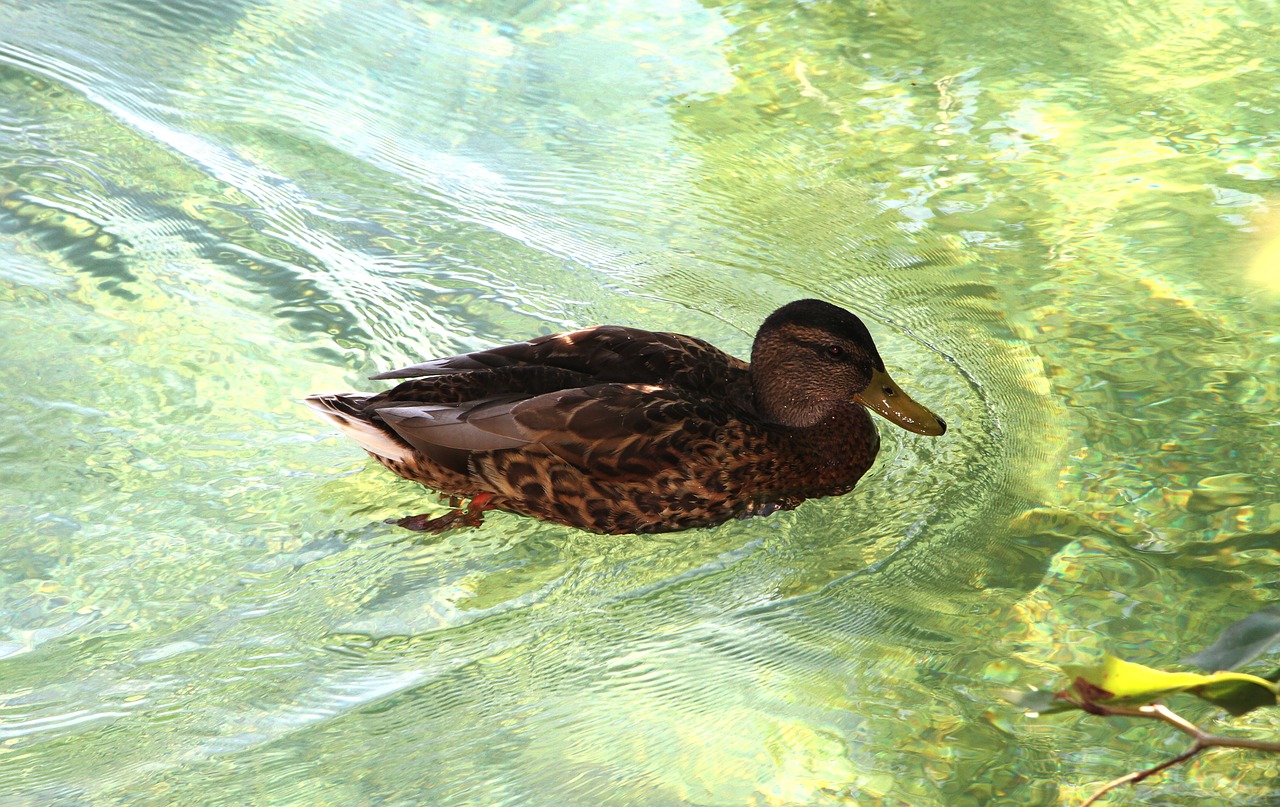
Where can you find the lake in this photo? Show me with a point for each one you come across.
(1060, 223)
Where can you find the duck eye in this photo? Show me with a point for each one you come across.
(835, 351)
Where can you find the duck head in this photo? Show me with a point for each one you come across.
(810, 357)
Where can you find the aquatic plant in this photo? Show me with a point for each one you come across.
(1118, 688)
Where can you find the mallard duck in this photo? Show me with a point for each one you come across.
(621, 430)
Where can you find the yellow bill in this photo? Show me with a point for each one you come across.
(884, 397)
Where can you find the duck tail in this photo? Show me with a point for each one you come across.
(345, 411)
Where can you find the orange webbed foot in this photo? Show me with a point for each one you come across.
(472, 516)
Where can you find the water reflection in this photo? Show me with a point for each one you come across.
(207, 211)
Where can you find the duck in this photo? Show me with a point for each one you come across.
(618, 430)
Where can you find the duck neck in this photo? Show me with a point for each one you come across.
(831, 455)
(793, 411)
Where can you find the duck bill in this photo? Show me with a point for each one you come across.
(884, 397)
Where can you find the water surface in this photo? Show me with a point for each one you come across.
(1058, 224)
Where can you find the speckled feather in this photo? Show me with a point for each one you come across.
(609, 429)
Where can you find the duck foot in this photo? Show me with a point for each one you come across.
(439, 524)
(472, 516)
(764, 509)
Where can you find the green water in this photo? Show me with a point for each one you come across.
(1059, 222)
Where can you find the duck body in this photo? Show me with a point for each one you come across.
(621, 430)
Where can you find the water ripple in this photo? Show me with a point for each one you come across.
(209, 210)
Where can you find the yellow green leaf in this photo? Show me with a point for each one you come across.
(1118, 682)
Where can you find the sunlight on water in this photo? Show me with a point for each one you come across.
(1060, 225)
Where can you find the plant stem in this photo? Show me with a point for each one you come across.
(1138, 776)
(1201, 740)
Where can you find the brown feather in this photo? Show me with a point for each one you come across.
(618, 430)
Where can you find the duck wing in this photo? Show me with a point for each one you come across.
(605, 354)
(609, 431)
